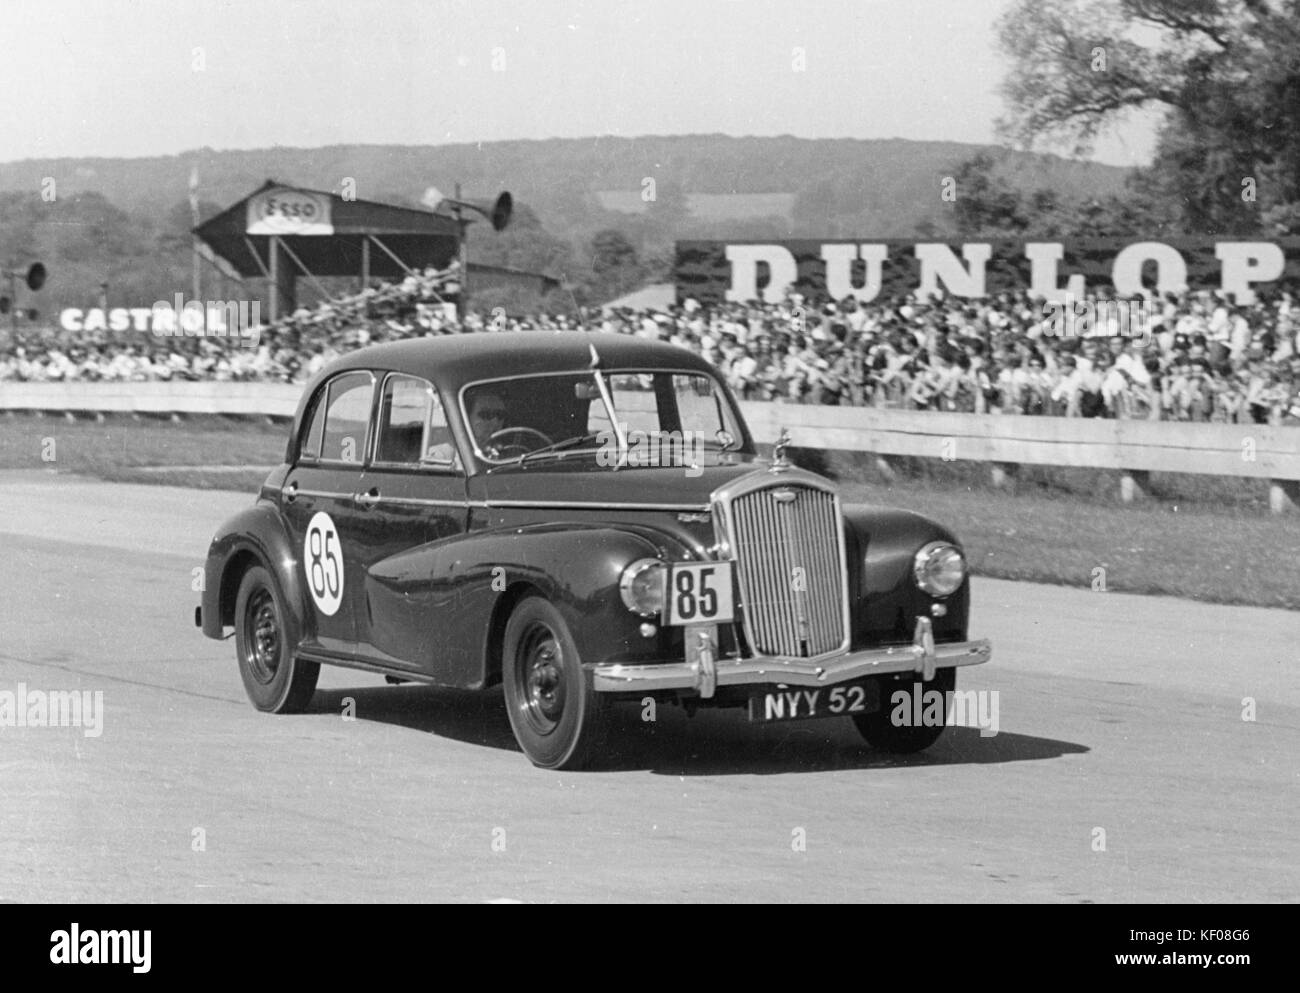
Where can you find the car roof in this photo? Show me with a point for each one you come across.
(450, 361)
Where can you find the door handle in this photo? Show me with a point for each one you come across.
(369, 498)
(291, 492)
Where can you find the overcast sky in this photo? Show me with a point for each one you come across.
(128, 78)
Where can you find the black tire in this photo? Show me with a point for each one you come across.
(265, 635)
(904, 739)
(559, 721)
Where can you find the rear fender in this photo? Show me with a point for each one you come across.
(255, 536)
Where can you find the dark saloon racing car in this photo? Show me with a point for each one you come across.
(584, 519)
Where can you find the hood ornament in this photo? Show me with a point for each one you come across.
(779, 461)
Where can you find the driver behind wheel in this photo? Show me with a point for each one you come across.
(487, 415)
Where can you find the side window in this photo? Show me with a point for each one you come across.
(409, 416)
(346, 418)
(699, 405)
(309, 449)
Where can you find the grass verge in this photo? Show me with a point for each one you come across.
(1205, 538)
(126, 449)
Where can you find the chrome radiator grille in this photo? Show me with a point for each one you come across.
(787, 546)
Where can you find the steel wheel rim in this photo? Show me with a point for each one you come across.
(540, 679)
(262, 624)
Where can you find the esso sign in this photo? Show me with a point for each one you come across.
(285, 212)
(290, 206)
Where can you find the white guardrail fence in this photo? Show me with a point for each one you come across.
(1136, 448)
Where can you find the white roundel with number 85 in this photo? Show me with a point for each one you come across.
(322, 560)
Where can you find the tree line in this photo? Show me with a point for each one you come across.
(1220, 77)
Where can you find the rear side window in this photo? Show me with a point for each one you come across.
(309, 451)
(346, 417)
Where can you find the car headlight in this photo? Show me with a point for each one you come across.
(939, 568)
(642, 587)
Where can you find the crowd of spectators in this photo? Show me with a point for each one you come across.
(1189, 357)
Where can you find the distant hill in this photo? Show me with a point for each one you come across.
(131, 212)
(715, 207)
(886, 187)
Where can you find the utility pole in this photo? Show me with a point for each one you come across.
(12, 273)
(194, 238)
(462, 227)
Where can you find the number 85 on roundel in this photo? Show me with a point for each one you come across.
(582, 520)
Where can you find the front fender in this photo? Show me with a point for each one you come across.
(256, 535)
(882, 542)
(577, 567)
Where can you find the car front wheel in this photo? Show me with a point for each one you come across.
(559, 721)
(265, 636)
(902, 725)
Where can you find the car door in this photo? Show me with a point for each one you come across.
(411, 495)
(318, 504)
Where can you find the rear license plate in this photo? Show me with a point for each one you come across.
(798, 703)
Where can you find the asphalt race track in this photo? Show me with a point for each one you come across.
(1116, 712)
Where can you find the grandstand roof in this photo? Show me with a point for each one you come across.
(420, 238)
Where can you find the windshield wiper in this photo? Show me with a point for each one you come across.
(559, 446)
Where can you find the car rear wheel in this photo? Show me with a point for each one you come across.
(559, 721)
(265, 636)
(895, 727)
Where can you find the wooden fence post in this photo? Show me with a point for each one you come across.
(1283, 495)
(1133, 484)
(886, 467)
(1005, 474)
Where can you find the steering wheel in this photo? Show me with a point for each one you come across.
(521, 449)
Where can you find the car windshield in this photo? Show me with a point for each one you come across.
(664, 417)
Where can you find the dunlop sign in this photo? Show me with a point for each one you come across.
(716, 271)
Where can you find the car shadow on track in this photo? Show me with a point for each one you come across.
(478, 718)
(712, 743)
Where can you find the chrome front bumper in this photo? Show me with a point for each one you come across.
(704, 672)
